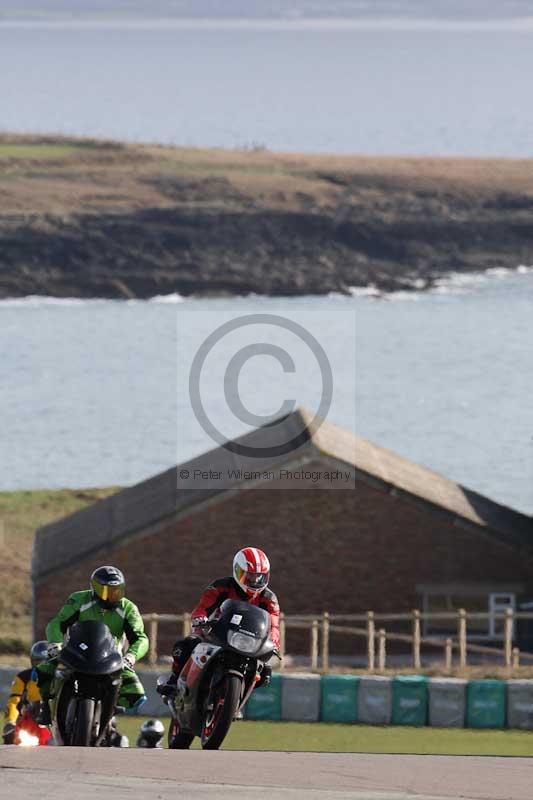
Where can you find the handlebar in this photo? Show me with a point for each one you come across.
(205, 623)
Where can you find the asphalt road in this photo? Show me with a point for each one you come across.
(83, 774)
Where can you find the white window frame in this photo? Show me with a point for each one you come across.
(499, 602)
(498, 599)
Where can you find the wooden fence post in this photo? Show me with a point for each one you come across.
(382, 654)
(282, 629)
(448, 651)
(508, 634)
(371, 641)
(325, 641)
(516, 657)
(314, 644)
(416, 639)
(154, 624)
(462, 637)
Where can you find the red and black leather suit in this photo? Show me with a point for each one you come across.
(212, 598)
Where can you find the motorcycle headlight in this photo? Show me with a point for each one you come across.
(246, 644)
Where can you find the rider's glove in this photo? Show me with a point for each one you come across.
(198, 622)
(129, 661)
(54, 649)
(9, 733)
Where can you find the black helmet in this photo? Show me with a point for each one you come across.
(108, 586)
(151, 733)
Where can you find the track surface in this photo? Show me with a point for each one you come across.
(67, 773)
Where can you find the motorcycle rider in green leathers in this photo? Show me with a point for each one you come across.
(103, 602)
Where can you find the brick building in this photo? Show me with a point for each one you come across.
(391, 537)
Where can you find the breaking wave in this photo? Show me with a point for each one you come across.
(167, 298)
(37, 301)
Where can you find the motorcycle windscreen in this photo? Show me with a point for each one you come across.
(235, 614)
(90, 648)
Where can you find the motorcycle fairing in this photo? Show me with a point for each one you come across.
(90, 648)
(201, 657)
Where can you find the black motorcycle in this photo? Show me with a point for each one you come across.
(220, 675)
(86, 686)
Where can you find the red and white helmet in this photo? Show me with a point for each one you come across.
(251, 570)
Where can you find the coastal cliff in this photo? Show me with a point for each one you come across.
(82, 218)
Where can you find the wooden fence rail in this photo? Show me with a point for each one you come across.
(321, 627)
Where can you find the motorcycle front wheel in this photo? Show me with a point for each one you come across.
(83, 724)
(218, 719)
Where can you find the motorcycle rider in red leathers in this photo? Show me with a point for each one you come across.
(251, 573)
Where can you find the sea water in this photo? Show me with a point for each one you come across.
(97, 392)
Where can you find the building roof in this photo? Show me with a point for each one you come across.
(108, 521)
(403, 478)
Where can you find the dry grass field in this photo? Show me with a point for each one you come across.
(70, 176)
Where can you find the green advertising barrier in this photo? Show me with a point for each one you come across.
(409, 700)
(485, 704)
(338, 698)
(265, 702)
(341, 697)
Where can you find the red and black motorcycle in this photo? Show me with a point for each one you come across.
(29, 732)
(220, 675)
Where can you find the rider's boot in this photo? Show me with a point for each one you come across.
(180, 653)
(169, 688)
(265, 677)
(114, 737)
(44, 716)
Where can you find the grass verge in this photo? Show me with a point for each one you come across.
(323, 737)
(36, 151)
(21, 513)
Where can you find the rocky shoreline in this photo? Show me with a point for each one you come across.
(95, 219)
